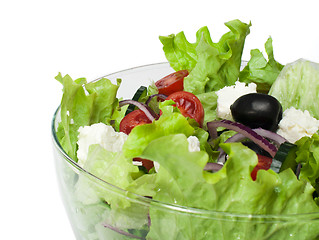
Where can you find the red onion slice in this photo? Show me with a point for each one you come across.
(161, 96)
(298, 169)
(122, 232)
(276, 138)
(245, 131)
(142, 106)
(213, 166)
(270, 135)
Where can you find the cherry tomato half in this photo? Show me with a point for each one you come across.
(189, 105)
(131, 120)
(171, 83)
(263, 163)
(148, 164)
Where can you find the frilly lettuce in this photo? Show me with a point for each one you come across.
(209, 103)
(111, 167)
(308, 156)
(211, 65)
(81, 108)
(260, 71)
(181, 181)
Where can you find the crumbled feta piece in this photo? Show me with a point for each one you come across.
(193, 146)
(296, 124)
(229, 94)
(98, 133)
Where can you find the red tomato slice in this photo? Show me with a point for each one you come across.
(131, 120)
(148, 164)
(263, 163)
(171, 83)
(189, 105)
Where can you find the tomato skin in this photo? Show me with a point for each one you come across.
(263, 163)
(148, 164)
(173, 82)
(131, 120)
(189, 105)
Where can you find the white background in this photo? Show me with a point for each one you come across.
(89, 39)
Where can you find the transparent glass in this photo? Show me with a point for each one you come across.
(91, 218)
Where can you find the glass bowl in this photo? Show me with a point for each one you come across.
(92, 218)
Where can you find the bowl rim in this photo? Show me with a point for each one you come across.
(198, 212)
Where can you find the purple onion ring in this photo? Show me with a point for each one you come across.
(142, 106)
(245, 131)
(213, 166)
(161, 96)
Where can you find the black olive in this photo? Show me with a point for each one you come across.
(257, 110)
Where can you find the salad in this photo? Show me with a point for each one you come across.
(213, 135)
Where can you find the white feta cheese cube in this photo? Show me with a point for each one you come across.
(101, 134)
(229, 94)
(193, 144)
(296, 124)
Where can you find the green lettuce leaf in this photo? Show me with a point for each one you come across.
(98, 221)
(260, 71)
(111, 167)
(308, 155)
(79, 108)
(144, 185)
(86, 217)
(181, 181)
(298, 86)
(75, 108)
(211, 65)
(116, 169)
(180, 53)
(209, 103)
(218, 64)
(120, 212)
(105, 101)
